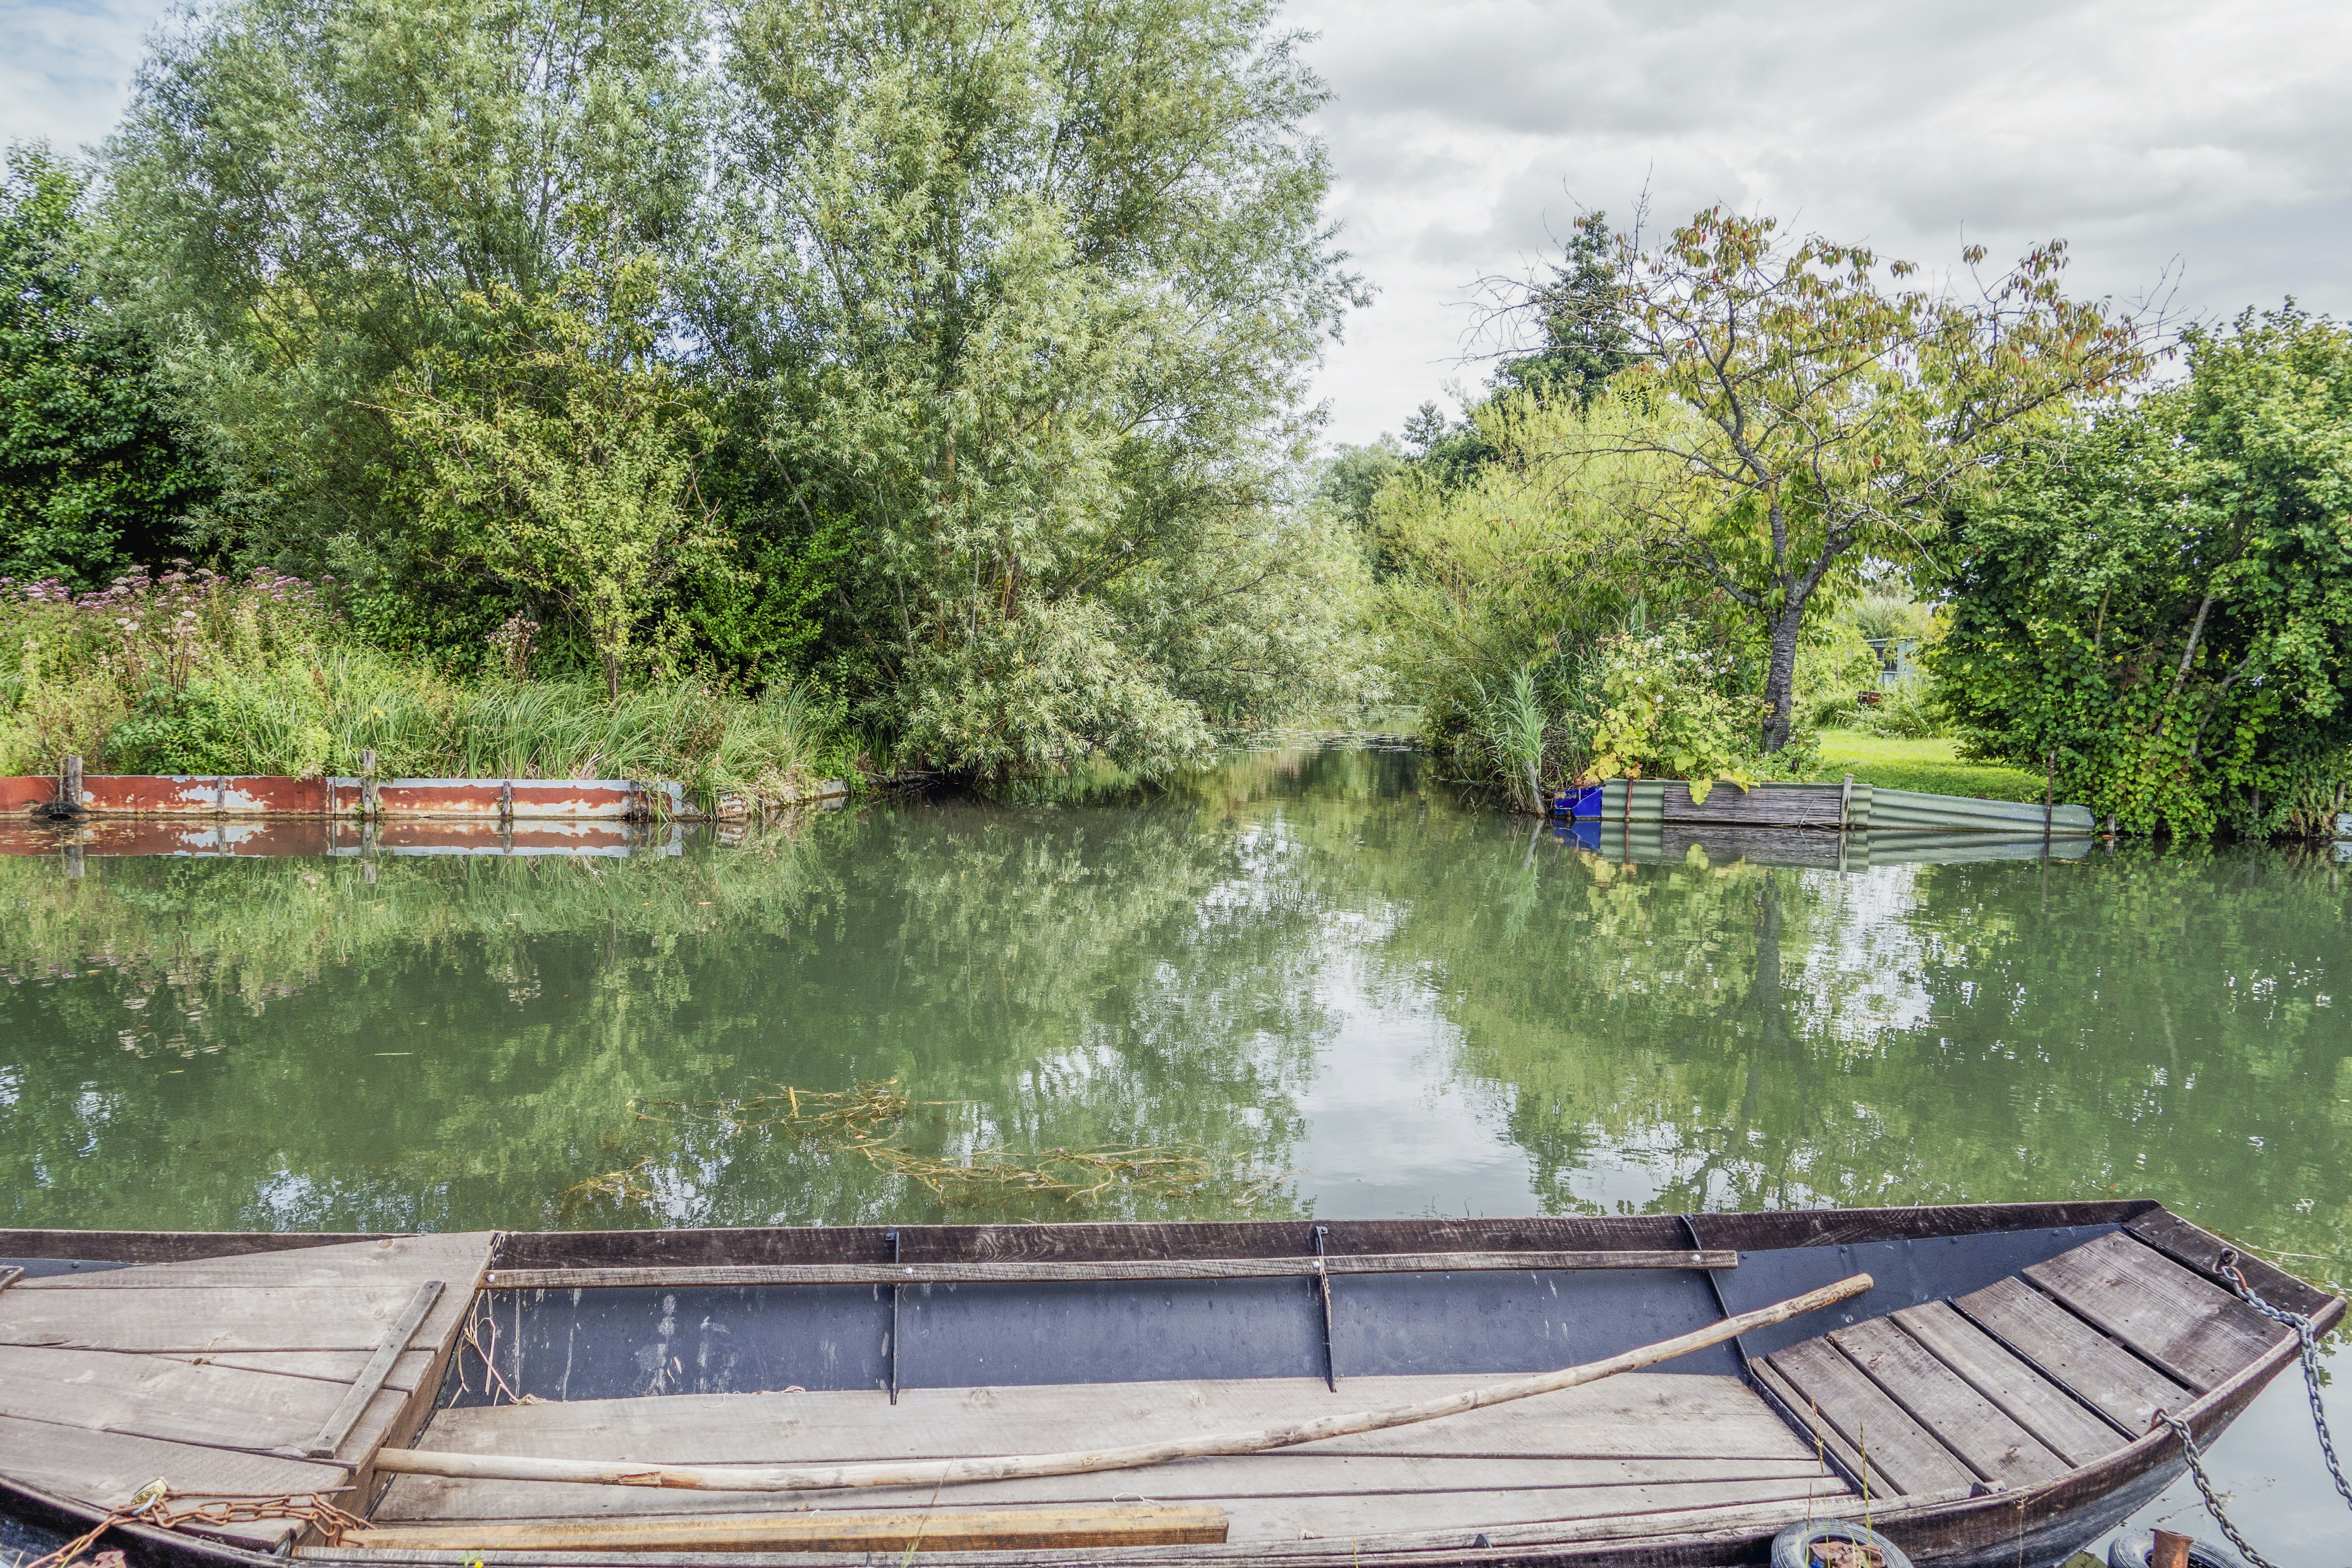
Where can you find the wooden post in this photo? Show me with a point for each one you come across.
(69, 784)
(2049, 798)
(367, 785)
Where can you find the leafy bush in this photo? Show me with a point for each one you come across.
(2161, 608)
(1667, 714)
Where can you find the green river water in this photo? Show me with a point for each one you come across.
(1312, 980)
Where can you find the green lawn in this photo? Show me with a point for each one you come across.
(1932, 766)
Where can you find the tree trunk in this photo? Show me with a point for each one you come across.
(1781, 676)
(612, 676)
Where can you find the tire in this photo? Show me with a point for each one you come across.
(1792, 1548)
(2134, 1549)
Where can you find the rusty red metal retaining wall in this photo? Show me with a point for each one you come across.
(21, 794)
(507, 800)
(329, 836)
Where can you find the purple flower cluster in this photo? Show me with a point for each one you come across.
(169, 624)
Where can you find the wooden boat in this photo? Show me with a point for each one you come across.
(1984, 1395)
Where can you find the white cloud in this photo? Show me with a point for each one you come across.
(2208, 138)
(1465, 135)
(66, 67)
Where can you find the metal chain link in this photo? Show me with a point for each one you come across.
(2310, 1348)
(2212, 1503)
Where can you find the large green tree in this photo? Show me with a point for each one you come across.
(1025, 289)
(1828, 414)
(309, 195)
(2160, 610)
(94, 478)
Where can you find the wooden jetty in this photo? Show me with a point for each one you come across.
(1987, 1375)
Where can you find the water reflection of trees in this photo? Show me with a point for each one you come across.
(1059, 977)
(2145, 1023)
(1099, 967)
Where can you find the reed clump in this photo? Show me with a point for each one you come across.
(194, 672)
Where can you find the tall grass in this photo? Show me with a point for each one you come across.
(193, 673)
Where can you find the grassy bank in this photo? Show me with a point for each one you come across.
(192, 673)
(1933, 766)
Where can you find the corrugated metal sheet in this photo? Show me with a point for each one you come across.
(1764, 805)
(1831, 805)
(158, 794)
(512, 798)
(1651, 843)
(1945, 813)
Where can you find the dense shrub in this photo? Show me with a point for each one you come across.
(2160, 609)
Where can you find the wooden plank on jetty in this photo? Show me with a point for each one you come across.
(987, 1272)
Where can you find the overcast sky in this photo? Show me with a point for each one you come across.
(2212, 140)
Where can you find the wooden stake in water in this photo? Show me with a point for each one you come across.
(70, 786)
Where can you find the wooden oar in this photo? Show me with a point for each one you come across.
(737, 1477)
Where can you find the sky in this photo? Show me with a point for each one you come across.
(2199, 150)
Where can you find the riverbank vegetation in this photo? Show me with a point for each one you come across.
(728, 392)
(192, 672)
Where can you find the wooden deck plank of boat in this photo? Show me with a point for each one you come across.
(110, 1379)
(1639, 1414)
(1636, 1442)
(2040, 1407)
(1343, 1513)
(328, 1366)
(1897, 1450)
(1983, 1435)
(173, 1400)
(396, 1262)
(2191, 1328)
(1716, 1521)
(2071, 1353)
(104, 1469)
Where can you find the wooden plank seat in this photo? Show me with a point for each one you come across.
(2014, 1384)
(1662, 1446)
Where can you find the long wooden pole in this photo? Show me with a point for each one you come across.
(1022, 1467)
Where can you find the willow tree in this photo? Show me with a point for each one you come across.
(1025, 289)
(1829, 415)
(308, 192)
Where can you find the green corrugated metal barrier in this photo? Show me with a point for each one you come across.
(1853, 806)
